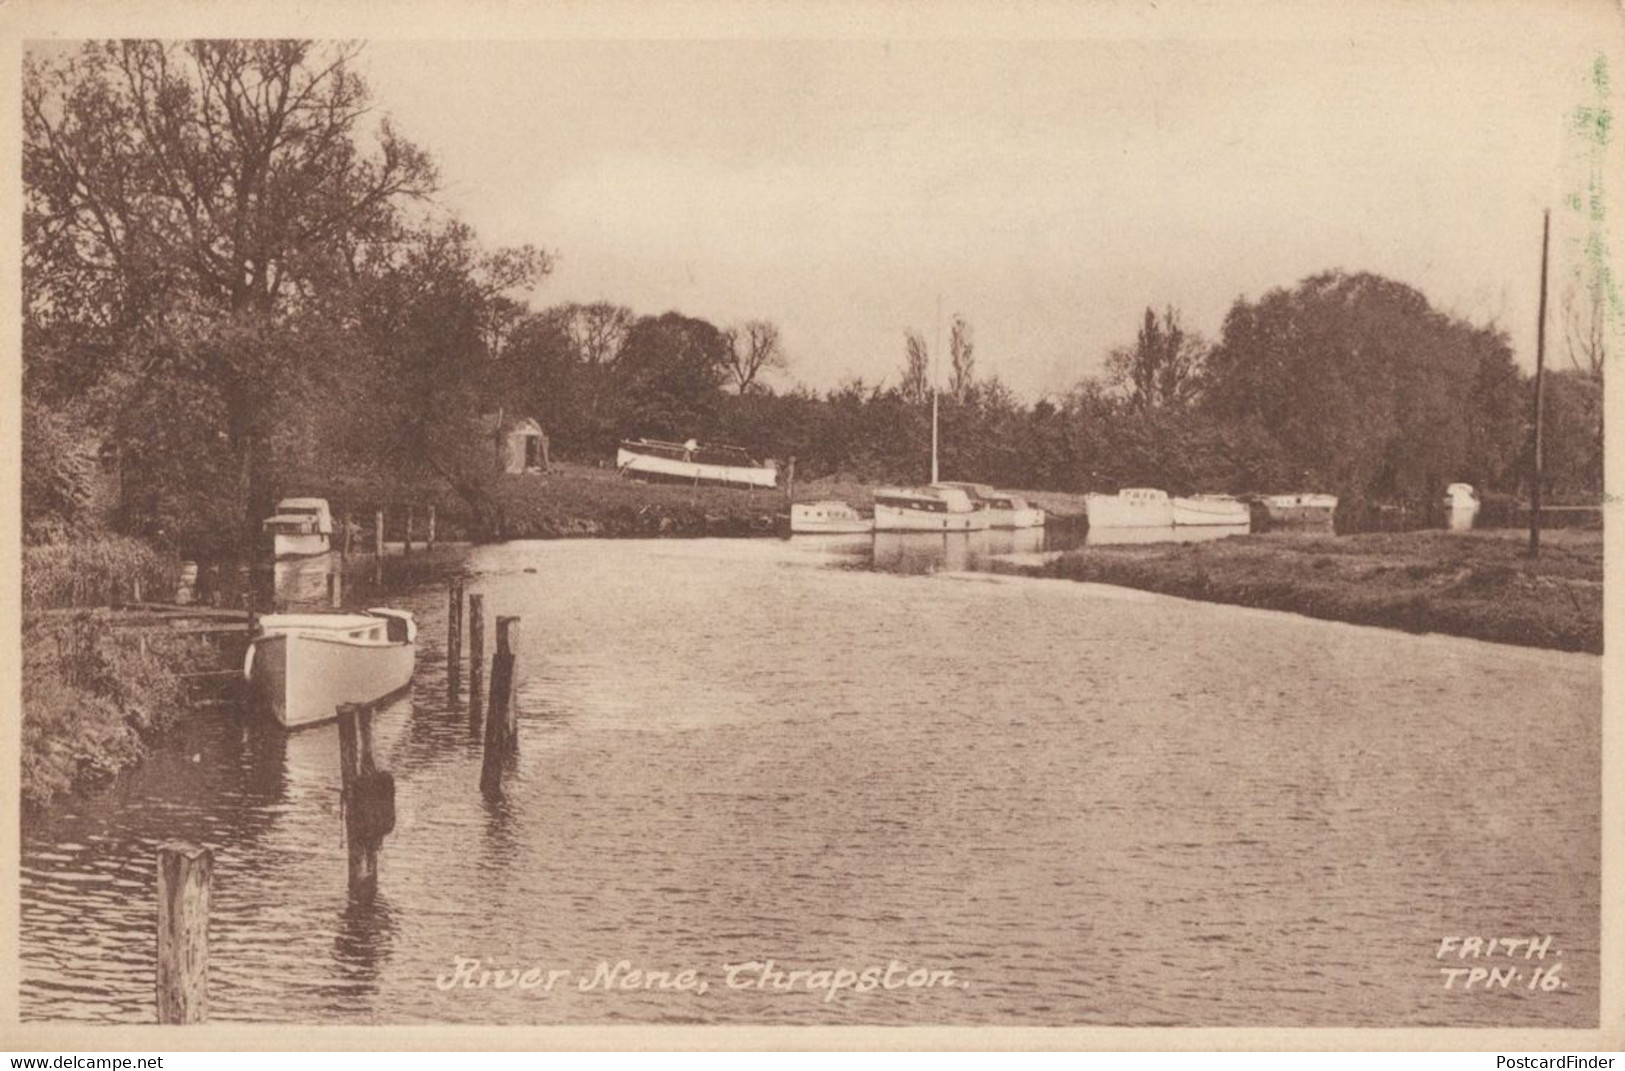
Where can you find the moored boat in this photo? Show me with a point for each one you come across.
(301, 667)
(1304, 508)
(1131, 507)
(302, 527)
(1224, 510)
(1005, 510)
(651, 459)
(926, 509)
(1461, 496)
(827, 517)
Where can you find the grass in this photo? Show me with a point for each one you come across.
(95, 572)
(1474, 584)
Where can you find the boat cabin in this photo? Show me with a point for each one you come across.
(298, 516)
(1460, 496)
(926, 499)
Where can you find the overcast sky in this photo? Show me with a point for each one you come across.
(1045, 190)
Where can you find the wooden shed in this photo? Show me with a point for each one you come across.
(521, 446)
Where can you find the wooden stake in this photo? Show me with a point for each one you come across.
(407, 547)
(335, 590)
(790, 481)
(454, 640)
(368, 798)
(378, 533)
(431, 527)
(476, 656)
(501, 733)
(1540, 394)
(185, 880)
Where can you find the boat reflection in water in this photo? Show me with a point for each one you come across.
(304, 580)
(1195, 533)
(930, 552)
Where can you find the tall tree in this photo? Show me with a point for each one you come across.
(672, 369)
(962, 355)
(916, 378)
(1369, 391)
(168, 186)
(1163, 368)
(753, 348)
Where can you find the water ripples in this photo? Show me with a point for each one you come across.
(1095, 808)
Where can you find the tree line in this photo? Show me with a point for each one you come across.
(237, 279)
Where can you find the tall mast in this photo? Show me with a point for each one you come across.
(932, 366)
(933, 433)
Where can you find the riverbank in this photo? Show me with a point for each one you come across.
(96, 693)
(583, 502)
(1473, 584)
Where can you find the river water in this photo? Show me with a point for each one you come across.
(1087, 805)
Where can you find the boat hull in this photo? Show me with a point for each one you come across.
(1014, 519)
(904, 519)
(305, 545)
(648, 467)
(1202, 511)
(302, 679)
(821, 519)
(1112, 511)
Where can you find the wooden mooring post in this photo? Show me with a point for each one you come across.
(501, 724)
(431, 527)
(378, 533)
(185, 883)
(454, 642)
(476, 656)
(368, 798)
(335, 590)
(406, 548)
(790, 480)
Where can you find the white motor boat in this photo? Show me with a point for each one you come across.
(1224, 510)
(651, 459)
(302, 527)
(827, 517)
(1461, 496)
(1004, 510)
(301, 667)
(1132, 507)
(927, 509)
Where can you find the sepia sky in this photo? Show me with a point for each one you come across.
(1046, 190)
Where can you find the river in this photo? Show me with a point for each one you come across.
(1086, 805)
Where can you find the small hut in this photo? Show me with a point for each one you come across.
(521, 445)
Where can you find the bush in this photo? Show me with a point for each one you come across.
(94, 572)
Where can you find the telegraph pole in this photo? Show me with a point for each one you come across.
(1540, 393)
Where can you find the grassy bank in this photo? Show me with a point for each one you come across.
(1476, 584)
(94, 697)
(580, 501)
